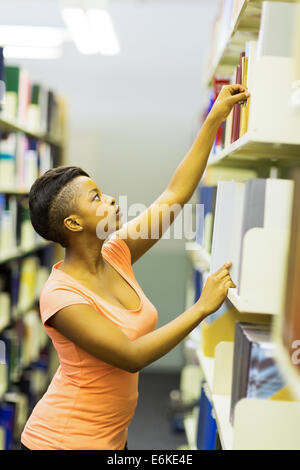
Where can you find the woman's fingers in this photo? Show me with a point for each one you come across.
(224, 273)
(228, 284)
(236, 88)
(225, 266)
(240, 97)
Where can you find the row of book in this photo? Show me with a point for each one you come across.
(28, 103)
(275, 16)
(236, 125)
(22, 395)
(25, 352)
(23, 160)
(16, 230)
(232, 208)
(22, 344)
(256, 373)
(21, 281)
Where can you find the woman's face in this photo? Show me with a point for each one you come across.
(96, 211)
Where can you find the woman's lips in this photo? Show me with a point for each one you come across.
(118, 212)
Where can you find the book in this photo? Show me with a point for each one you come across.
(218, 84)
(12, 79)
(206, 427)
(7, 417)
(2, 79)
(255, 371)
(243, 113)
(253, 212)
(207, 197)
(222, 232)
(237, 107)
(251, 52)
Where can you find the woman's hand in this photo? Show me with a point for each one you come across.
(227, 98)
(215, 290)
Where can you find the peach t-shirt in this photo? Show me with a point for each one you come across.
(89, 403)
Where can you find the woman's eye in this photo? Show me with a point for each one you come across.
(96, 195)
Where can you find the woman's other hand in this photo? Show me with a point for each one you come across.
(215, 290)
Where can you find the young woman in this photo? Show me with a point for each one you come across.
(101, 323)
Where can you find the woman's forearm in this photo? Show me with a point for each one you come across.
(154, 345)
(189, 172)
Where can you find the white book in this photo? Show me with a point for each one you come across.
(222, 232)
(276, 35)
(251, 51)
(237, 227)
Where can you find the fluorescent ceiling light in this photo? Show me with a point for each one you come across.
(19, 52)
(80, 30)
(32, 36)
(90, 26)
(103, 31)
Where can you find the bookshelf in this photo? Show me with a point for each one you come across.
(25, 257)
(270, 148)
(243, 26)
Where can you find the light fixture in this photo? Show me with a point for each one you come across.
(90, 26)
(31, 36)
(32, 42)
(20, 52)
(103, 31)
(79, 28)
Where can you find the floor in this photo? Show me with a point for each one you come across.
(151, 427)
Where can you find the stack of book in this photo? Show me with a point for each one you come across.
(29, 104)
(255, 371)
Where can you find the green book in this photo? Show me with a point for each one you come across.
(12, 77)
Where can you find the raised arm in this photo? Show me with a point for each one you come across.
(98, 336)
(138, 233)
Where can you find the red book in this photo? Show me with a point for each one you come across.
(218, 84)
(237, 108)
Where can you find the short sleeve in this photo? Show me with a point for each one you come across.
(56, 298)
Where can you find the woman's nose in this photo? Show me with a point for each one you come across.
(111, 200)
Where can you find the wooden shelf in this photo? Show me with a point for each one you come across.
(11, 126)
(245, 28)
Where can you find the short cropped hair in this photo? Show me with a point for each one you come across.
(51, 200)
